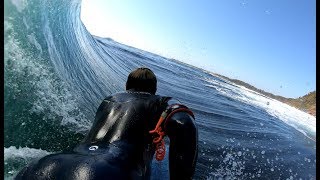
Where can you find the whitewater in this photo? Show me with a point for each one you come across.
(56, 74)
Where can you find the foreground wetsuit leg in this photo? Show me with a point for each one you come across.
(183, 151)
(76, 167)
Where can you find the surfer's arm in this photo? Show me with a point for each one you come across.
(183, 150)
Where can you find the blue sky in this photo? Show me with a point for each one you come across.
(270, 44)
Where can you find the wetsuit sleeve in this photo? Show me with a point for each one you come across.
(183, 151)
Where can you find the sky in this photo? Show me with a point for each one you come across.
(270, 44)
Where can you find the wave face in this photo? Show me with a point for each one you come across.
(57, 73)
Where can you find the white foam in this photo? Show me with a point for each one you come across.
(53, 96)
(19, 4)
(230, 168)
(24, 152)
(32, 39)
(301, 121)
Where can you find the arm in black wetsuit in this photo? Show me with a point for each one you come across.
(183, 151)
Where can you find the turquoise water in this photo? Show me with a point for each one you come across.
(57, 73)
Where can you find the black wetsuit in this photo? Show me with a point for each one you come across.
(119, 145)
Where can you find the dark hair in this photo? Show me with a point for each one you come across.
(142, 79)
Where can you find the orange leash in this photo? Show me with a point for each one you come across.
(161, 151)
(160, 145)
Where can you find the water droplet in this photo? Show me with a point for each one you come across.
(234, 164)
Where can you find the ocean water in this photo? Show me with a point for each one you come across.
(56, 74)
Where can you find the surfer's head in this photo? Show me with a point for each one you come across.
(142, 79)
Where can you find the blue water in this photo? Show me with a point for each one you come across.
(57, 73)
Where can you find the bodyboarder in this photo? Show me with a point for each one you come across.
(126, 134)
